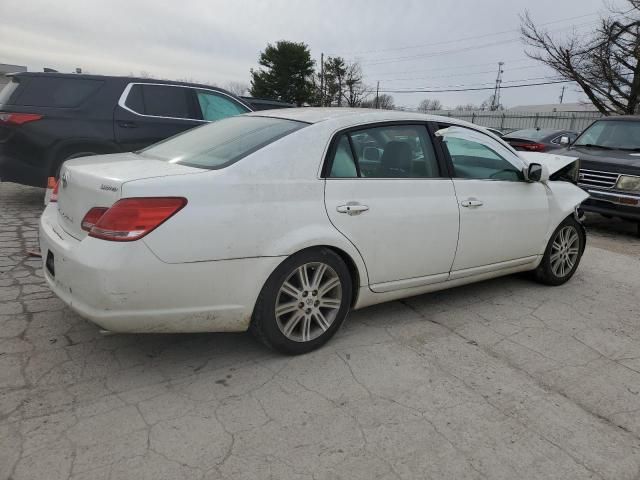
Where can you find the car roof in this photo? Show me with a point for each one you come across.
(123, 79)
(352, 116)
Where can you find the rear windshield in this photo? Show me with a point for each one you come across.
(530, 134)
(49, 91)
(219, 144)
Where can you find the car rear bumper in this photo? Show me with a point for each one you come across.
(14, 170)
(623, 205)
(124, 287)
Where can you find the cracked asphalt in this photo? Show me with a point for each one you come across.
(505, 379)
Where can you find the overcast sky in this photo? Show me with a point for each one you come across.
(404, 44)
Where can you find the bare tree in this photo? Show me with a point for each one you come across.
(428, 105)
(467, 107)
(237, 88)
(606, 65)
(383, 101)
(355, 91)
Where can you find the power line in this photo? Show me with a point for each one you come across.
(477, 89)
(465, 74)
(455, 50)
(474, 37)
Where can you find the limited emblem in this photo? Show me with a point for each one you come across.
(109, 188)
(66, 176)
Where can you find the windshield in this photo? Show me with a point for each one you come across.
(618, 134)
(222, 143)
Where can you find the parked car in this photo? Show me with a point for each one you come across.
(609, 153)
(496, 132)
(258, 104)
(47, 118)
(539, 140)
(276, 224)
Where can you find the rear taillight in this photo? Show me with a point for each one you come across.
(53, 184)
(132, 218)
(10, 118)
(92, 217)
(532, 147)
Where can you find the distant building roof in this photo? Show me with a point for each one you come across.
(8, 68)
(555, 107)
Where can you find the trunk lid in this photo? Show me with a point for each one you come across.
(97, 182)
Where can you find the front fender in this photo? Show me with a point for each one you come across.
(564, 198)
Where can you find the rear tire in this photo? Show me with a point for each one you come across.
(563, 253)
(304, 302)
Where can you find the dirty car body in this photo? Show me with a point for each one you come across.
(190, 234)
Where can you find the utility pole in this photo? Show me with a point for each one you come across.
(377, 92)
(495, 103)
(322, 79)
(562, 94)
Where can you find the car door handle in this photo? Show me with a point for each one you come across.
(472, 202)
(128, 124)
(352, 208)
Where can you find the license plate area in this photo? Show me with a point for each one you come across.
(50, 263)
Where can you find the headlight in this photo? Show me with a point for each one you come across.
(627, 182)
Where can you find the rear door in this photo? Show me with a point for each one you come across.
(147, 113)
(387, 193)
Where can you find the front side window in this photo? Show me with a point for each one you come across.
(219, 144)
(397, 151)
(475, 157)
(214, 106)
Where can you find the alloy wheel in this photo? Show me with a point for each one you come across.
(564, 251)
(308, 302)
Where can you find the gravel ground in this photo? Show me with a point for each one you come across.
(504, 379)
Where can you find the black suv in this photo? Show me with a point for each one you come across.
(609, 152)
(47, 118)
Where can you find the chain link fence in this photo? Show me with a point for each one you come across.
(509, 121)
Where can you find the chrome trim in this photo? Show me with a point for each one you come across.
(127, 89)
(597, 178)
(613, 197)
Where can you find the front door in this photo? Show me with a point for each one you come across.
(385, 192)
(502, 217)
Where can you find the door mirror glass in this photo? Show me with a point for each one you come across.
(534, 172)
(565, 140)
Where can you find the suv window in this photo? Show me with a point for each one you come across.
(167, 101)
(215, 106)
(476, 157)
(219, 144)
(54, 92)
(398, 151)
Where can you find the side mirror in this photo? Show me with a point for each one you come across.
(537, 173)
(371, 154)
(564, 140)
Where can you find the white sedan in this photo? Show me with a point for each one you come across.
(281, 222)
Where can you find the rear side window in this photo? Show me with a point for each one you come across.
(167, 101)
(53, 92)
(396, 151)
(219, 144)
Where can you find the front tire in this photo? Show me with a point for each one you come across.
(304, 302)
(563, 253)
